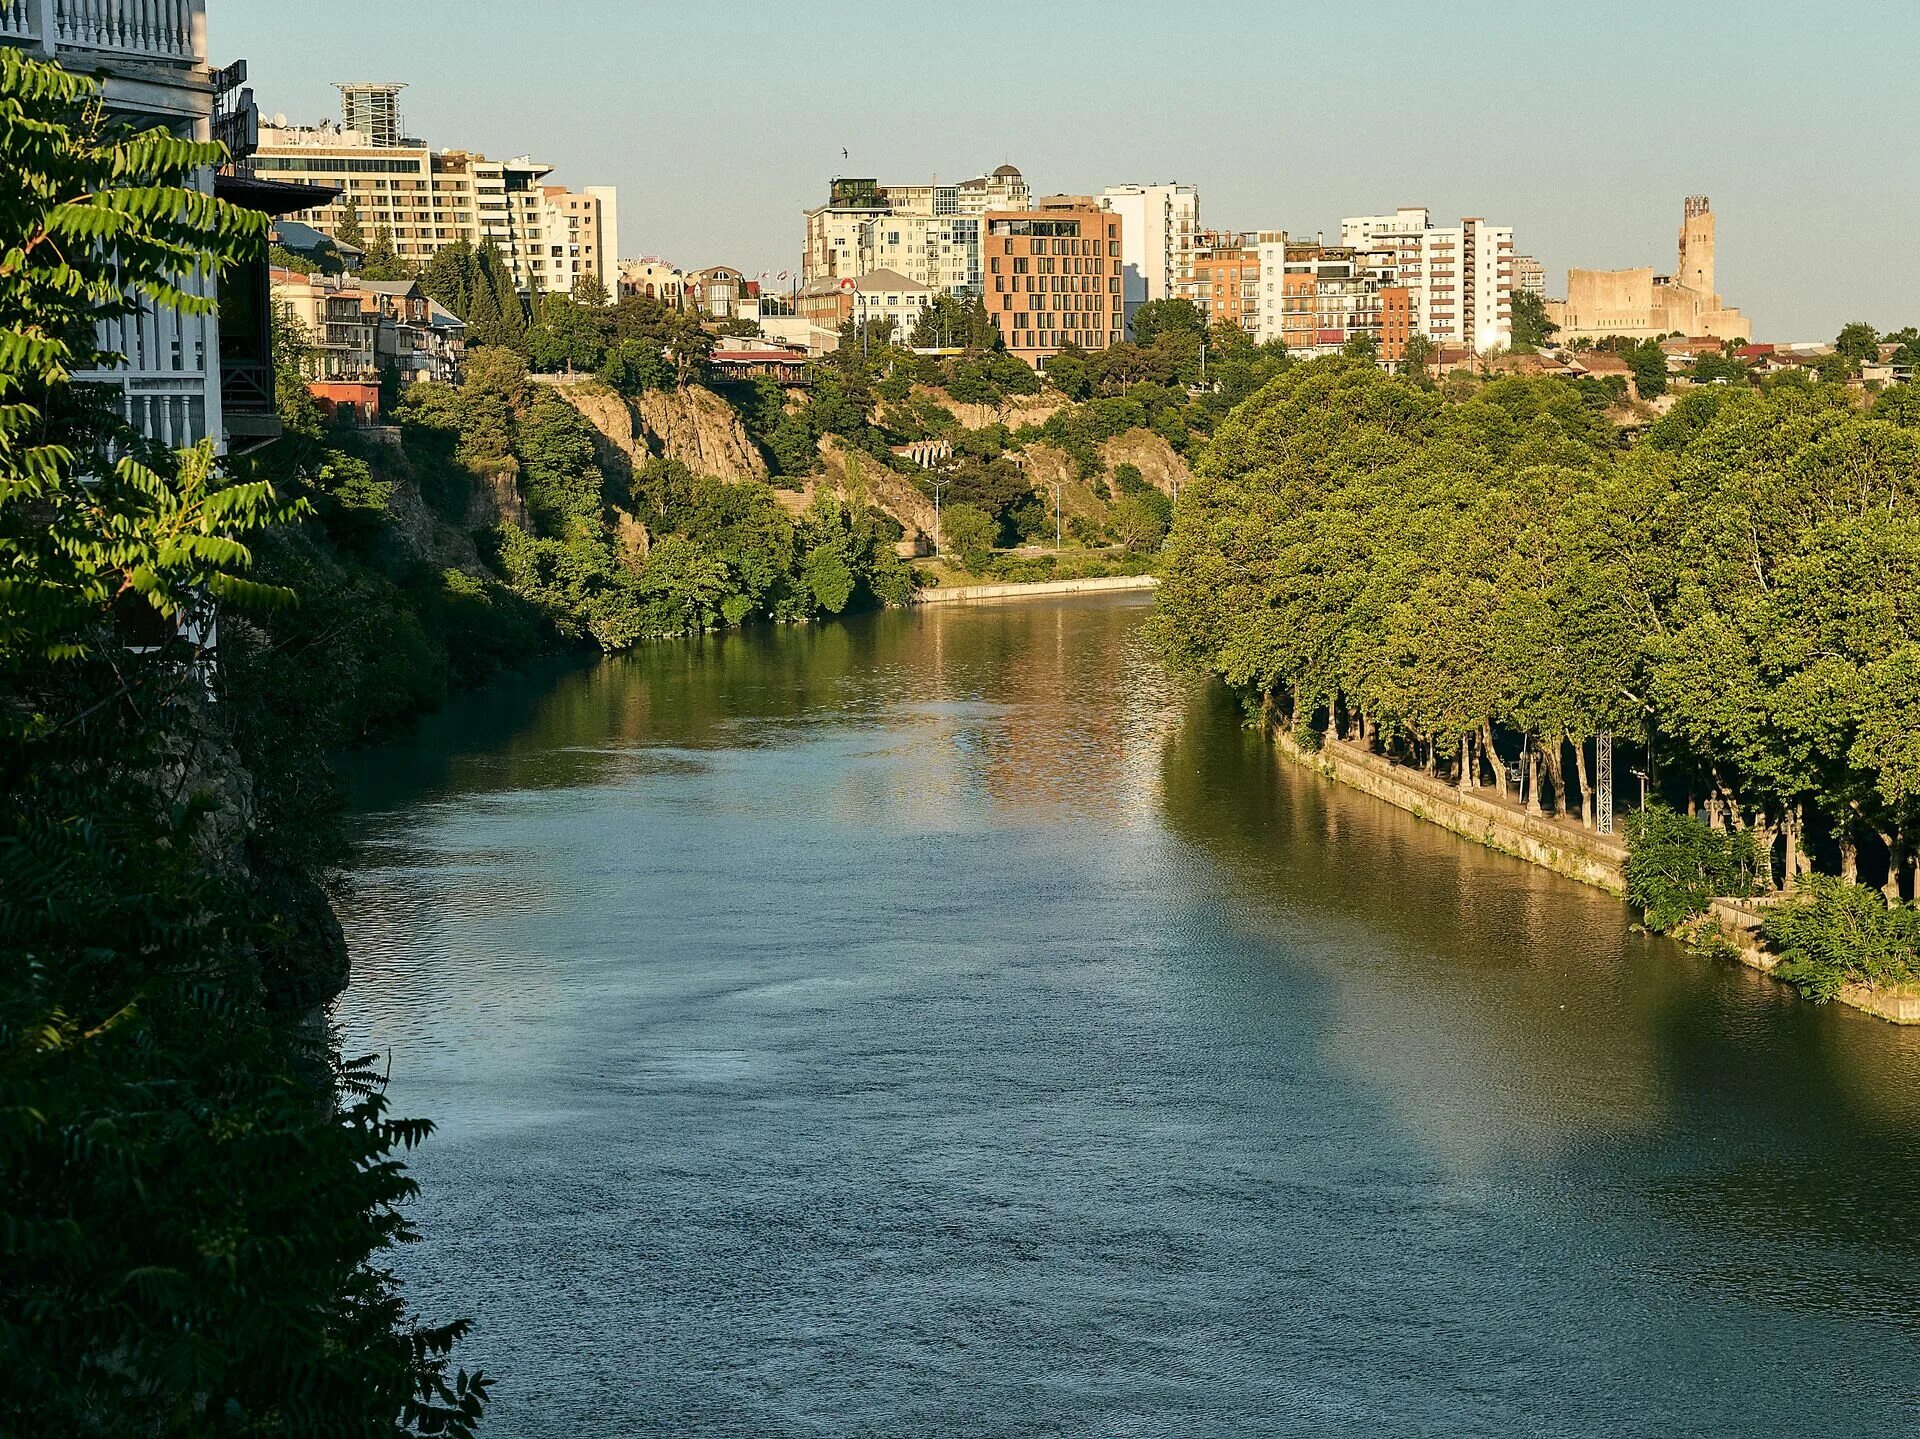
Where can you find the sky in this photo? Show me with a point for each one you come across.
(1582, 125)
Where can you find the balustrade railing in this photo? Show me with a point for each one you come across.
(138, 29)
(165, 29)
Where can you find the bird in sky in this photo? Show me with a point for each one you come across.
(843, 152)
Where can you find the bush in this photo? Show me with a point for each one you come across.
(969, 532)
(1834, 933)
(1676, 865)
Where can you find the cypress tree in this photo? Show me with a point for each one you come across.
(348, 231)
(448, 277)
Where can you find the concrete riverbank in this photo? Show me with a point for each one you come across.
(1598, 860)
(962, 594)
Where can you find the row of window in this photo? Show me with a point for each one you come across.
(1060, 339)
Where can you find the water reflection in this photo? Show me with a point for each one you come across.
(951, 1023)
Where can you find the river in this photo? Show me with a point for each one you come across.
(947, 1023)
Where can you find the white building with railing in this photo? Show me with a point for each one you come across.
(151, 56)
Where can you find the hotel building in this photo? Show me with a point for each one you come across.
(1053, 277)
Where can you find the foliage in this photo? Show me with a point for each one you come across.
(1172, 317)
(383, 261)
(1739, 592)
(1832, 934)
(969, 532)
(1676, 865)
(1531, 327)
(194, 1235)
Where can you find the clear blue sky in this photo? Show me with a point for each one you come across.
(1582, 125)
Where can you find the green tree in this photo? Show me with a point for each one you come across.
(969, 532)
(1531, 327)
(1361, 345)
(196, 1229)
(348, 231)
(449, 277)
(1161, 317)
(1649, 364)
(1858, 342)
(383, 262)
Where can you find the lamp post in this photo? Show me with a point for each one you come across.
(939, 488)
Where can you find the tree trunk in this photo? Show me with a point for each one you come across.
(1467, 763)
(1492, 753)
(1763, 836)
(1849, 855)
(1533, 777)
(1795, 862)
(1433, 758)
(1891, 839)
(1589, 811)
(1556, 767)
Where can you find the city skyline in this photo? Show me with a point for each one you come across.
(719, 137)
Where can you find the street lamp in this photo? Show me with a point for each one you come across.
(939, 487)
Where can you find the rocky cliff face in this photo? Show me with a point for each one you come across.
(1017, 411)
(691, 425)
(1159, 464)
(702, 431)
(873, 483)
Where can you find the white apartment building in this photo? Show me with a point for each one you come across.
(186, 378)
(930, 234)
(941, 252)
(1459, 278)
(1158, 225)
(549, 236)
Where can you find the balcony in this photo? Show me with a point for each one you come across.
(91, 31)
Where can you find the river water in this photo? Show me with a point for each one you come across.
(947, 1023)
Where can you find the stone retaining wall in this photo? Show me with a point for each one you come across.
(1738, 922)
(1590, 858)
(960, 594)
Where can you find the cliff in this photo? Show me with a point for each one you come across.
(692, 425)
(1160, 465)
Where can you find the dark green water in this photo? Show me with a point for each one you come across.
(946, 1024)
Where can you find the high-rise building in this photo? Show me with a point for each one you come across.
(1158, 224)
(424, 199)
(1053, 277)
(928, 233)
(1529, 276)
(371, 109)
(1315, 298)
(1459, 278)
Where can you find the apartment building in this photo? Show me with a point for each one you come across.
(359, 329)
(185, 378)
(929, 233)
(549, 236)
(1459, 278)
(1158, 224)
(1226, 278)
(1529, 276)
(1315, 298)
(1054, 277)
(825, 305)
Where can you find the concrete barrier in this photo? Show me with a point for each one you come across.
(1593, 859)
(961, 594)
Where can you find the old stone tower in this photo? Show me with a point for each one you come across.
(1696, 247)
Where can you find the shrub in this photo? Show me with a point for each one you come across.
(1833, 933)
(969, 532)
(1676, 865)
